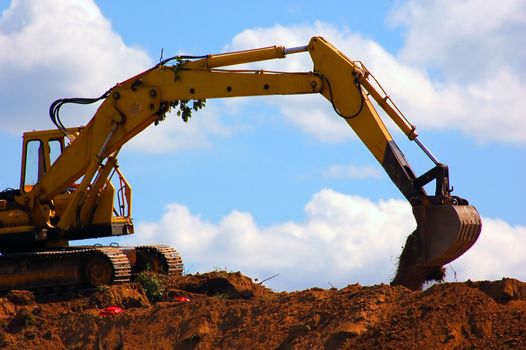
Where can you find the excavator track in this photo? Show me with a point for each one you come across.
(159, 259)
(66, 267)
(85, 266)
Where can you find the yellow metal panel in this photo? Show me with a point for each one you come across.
(61, 201)
(202, 84)
(104, 208)
(13, 217)
(341, 90)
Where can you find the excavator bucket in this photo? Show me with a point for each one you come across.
(446, 231)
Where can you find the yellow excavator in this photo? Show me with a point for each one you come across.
(71, 187)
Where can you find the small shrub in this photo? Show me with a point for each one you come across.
(152, 285)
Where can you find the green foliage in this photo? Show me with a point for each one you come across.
(178, 67)
(184, 110)
(152, 285)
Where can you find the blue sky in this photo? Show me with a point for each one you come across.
(280, 185)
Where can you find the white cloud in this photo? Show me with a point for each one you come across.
(351, 171)
(311, 114)
(473, 105)
(499, 252)
(475, 52)
(344, 239)
(53, 49)
(465, 38)
(172, 134)
(58, 48)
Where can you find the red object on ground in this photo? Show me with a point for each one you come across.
(111, 311)
(182, 299)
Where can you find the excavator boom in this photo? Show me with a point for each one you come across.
(447, 226)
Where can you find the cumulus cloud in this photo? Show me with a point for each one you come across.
(472, 102)
(173, 134)
(469, 41)
(53, 49)
(311, 114)
(343, 239)
(499, 252)
(58, 48)
(480, 65)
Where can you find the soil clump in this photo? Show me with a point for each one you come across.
(220, 310)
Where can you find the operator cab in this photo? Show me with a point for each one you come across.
(40, 150)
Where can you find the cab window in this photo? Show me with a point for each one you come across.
(55, 149)
(34, 167)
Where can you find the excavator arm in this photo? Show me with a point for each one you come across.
(446, 226)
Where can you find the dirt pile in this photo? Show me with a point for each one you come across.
(222, 310)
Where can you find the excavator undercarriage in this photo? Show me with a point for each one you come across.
(85, 266)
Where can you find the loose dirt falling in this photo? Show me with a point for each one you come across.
(408, 273)
(230, 311)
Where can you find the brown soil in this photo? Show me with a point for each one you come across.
(230, 311)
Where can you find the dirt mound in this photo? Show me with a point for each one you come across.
(222, 284)
(220, 310)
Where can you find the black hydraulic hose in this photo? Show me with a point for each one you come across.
(362, 98)
(54, 109)
(183, 57)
